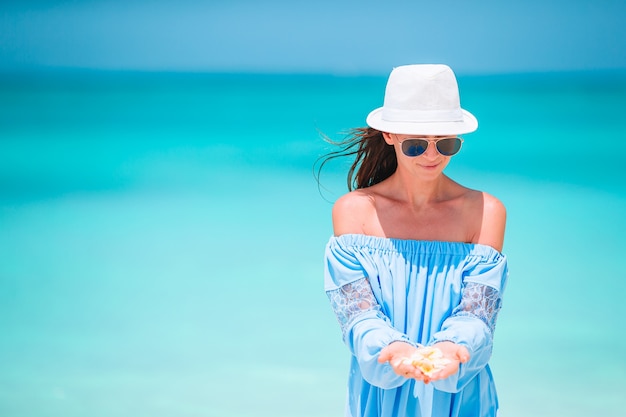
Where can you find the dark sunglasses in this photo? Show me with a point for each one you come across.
(445, 146)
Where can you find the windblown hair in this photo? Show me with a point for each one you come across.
(374, 159)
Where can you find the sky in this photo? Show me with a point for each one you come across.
(322, 36)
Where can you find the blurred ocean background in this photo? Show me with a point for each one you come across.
(162, 234)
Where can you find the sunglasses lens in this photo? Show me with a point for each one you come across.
(449, 146)
(414, 147)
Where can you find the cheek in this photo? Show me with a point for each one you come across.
(399, 155)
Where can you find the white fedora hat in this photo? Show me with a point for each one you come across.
(422, 100)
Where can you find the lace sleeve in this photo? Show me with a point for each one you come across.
(480, 301)
(352, 299)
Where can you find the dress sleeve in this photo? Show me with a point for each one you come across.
(365, 328)
(472, 322)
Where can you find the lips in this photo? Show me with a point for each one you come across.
(431, 166)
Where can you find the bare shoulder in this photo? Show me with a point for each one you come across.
(493, 205)
(351, 211)
(493, 222)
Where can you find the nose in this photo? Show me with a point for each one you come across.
(431, 150)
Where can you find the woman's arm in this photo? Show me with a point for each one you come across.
(365, 328)
(473, 321)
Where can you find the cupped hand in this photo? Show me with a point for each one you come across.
(398, 354)
(456, 354)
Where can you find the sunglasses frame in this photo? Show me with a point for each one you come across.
(435, 141)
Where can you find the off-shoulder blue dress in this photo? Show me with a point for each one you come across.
(384, 290)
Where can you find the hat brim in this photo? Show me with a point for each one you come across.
(467, 125)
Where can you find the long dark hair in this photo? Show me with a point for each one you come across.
(374, 161)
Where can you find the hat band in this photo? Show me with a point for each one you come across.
(422, 116)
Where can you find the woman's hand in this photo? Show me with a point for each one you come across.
(456, 354)
(398, 355)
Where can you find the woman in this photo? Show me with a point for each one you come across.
(414, 270)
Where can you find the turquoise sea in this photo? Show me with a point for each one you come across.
(161, 241)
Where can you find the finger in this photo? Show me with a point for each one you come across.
(462, 354)
(447, 371)
(403, 367)
(413, 373)
(420, 376)
(384, 356)
(443, 374)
